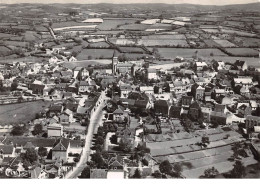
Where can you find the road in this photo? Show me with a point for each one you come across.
(95, 121)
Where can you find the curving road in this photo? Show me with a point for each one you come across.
(95, 121)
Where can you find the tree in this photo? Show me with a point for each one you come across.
(85, 174)
(125, 145)
(239, 171)
(156, 89)
(42, 151)
(113, 139)
(166, 87)
(74, 53)
(237, 89)
(98, 159)
(17, 131)
(37, 129)
(177, 169)
(157, 174)
(137, 174)
(30, 155)
(99, 140)
(210, 173)
(165, 167)
(205, 140)
(14, 86)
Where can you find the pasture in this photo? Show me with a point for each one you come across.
(171, 53)
(242, 51)
(95, 53)
(110, 24)
(21, 112)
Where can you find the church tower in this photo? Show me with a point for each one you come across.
(114, 63)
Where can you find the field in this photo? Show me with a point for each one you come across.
(67, 24)
(22, 112)
(5, 35)
(15, 43)
(95, 53)
(225, 43)
(131, 50)
(242, 51)
(110, 24)
(211, 43)
(86, 63)
(172, 53)
(158, 42)
(237, 32)
(164, 37)
(139, 27)
(122, 41)
(247, 42)
(211, 30)
(4, 51)
(99, 45)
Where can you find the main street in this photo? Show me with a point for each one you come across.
(95, 121)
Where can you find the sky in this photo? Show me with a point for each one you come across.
(202, 2)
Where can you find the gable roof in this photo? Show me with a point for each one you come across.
(61, 145)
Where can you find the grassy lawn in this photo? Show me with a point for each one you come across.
(22, 112)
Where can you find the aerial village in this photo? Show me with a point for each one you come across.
(65, 117)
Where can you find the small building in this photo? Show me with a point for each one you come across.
(54, 130)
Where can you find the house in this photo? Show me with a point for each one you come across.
(37, 87)
(147, 89)
(53, 60)
(77, 73)
(194, 110)
(125, 90)
(98, 173)
(162, 107)
(55, 109)
(186, 101)
(73, 59)
(151, 74)
(87, 86)
(6, 151)
(107, 81)
(206, 113)
(244, 110)
(118, 115)
(60, 149)
(200, 65)
(200, 93)
(175, 112)
(251, 122)
(221, 65)
(54, 130)
(241, 65)
(244, 91)
(220, 108)
(219, 92)
(218, 117)
(66, 117)
(253, 104)
(243, 82)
